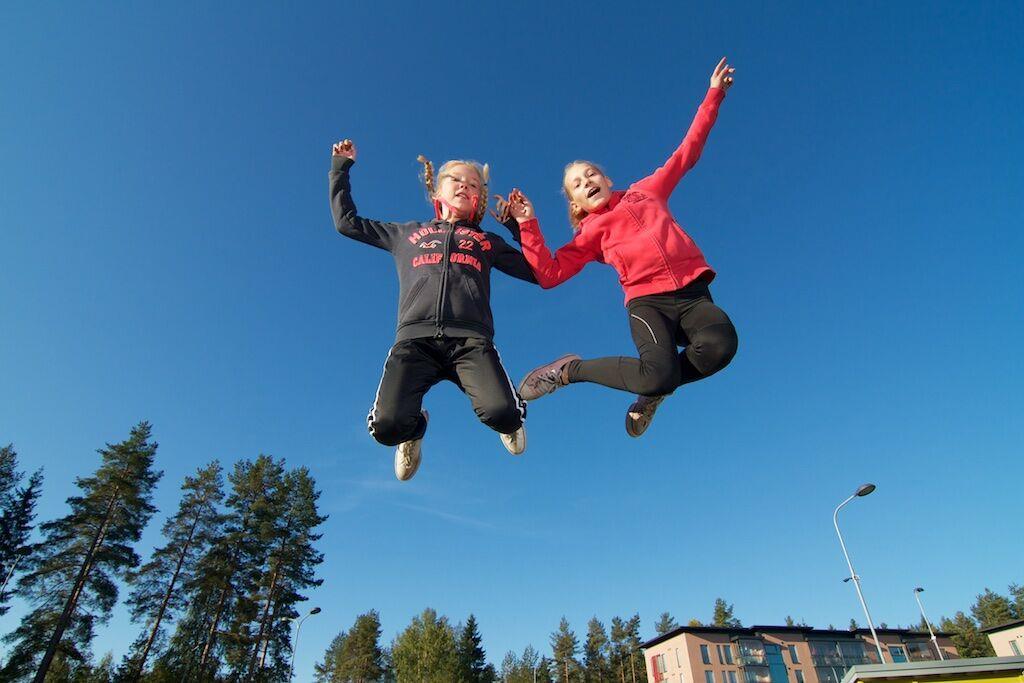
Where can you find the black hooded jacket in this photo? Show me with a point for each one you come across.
(444, 269)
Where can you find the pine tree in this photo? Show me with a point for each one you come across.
(81, 557)
(637, 667)
(789, 621)
(158, 594)
(362, 659)
(1017, 594)
(425, 651)
(694, 622)
(969, 641)
(665, 624)
(618, 654)
(563, 648)
(473, 666)
(329, 671)
(596, 668)
(545, 671)
(17, 511)
(853, 624)
(992, 609)
(723, 615)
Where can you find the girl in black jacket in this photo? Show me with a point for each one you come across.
(445, 328)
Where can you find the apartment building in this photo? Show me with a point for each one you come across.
(779, 654)
(1007, 639)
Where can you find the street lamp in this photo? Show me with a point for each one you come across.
(863, 490)
(295, 646)
(935, 642)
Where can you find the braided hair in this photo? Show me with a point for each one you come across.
(429, 180)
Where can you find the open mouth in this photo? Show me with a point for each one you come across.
(462, 194)
(593, 193)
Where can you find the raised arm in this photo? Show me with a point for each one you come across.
(551, 270)
(346, 219)
(664, 180)
(510, 260)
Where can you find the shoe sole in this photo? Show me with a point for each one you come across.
(520, 451)
(636, 428)
(568, 356)
(416, 467)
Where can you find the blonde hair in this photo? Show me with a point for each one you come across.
(576, 216)
(483, 171)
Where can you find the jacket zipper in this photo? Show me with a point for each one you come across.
(657, 245)
(444, 281)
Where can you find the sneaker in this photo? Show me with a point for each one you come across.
(515, 443)
(546, 378)
(407, 456)
(641, 414)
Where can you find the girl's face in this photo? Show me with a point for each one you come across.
(459, 188)
(587, 187)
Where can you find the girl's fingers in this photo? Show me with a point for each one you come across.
(718, 67)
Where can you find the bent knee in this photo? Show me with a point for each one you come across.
(391, 430)
(716, 346)
(501, 416)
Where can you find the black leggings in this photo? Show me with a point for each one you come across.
(661, 323)
(415, 365)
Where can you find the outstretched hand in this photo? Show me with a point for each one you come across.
(721, 77)
(345, 148)
(517, 206)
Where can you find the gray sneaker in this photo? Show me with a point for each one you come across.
(641, 413)
(515, 443)
(408, 455)
(546, 378)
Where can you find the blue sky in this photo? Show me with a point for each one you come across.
(167, 254)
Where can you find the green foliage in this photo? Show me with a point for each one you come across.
(665, 624)
(563, 648)
(329, 670)
(17, 512)
(515, 669)
(723, 615)
(596, 667)
(992, 609)
(969, 641)
(97, 535)
(425, 651)
(473, 666)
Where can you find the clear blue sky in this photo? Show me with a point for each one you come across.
(167, 253)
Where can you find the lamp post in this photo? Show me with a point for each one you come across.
(863, 490)
(935, 641)
(295, 646)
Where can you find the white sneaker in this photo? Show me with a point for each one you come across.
(408, 455)
(641, 414)
(515, 443)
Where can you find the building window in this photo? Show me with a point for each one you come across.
(732, 677)
(728, 654)
(678, 662)
(799, 676)
(1013, 646)
(757, 674)
(725, 677)
(920, 651)
(792, 654)
(721, 659)
(897, 654)
(705, 656)
(826, 674)
(709, 677)
(659, 663)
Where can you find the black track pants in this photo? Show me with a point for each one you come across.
(661, 323)
(415, 365)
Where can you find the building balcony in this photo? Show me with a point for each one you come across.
(752, 660)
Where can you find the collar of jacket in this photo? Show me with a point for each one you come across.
(612, 203)
(458, 224)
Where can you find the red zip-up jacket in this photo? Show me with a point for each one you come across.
(634, 232)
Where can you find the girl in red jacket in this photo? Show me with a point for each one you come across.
(662, 271)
